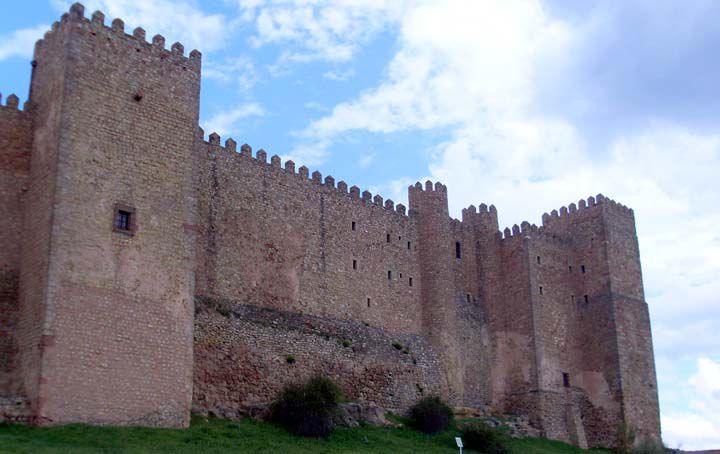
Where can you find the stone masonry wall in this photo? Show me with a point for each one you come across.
(272, 237)
(555, 329)
(514, 375)
(15, 148)
(245, 355)
(594, 358)
(473, 337)
(117, 330)
(437, 255)
(632, 321)
(46, 97)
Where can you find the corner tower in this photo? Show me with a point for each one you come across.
(106, 286)
(608, 353)
(636, 357)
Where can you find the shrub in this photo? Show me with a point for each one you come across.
(290, 359)
(307, 410)
(431, 415)
(479, 436)
(397, 345)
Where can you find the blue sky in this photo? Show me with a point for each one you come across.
(527, 104)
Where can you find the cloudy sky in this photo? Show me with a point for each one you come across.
(527, 104)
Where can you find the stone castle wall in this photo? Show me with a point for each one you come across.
(271, 236)
(241, 274)
(15, 148)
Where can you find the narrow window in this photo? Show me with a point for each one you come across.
(400, 275)
(467, 297)
(353, 226)
(388, 237)
(586, 298)
(582, 269)
(124, 219)
(354, 264)
(410, 282)
(458, 250)
(569, 268)
(399, 238)
(409, 245)
(541, 290)
(368, 302)
(538, 259)
(572, 298)
(566, 379)
(389, 275)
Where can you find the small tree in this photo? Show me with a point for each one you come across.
(307, 409)
(431, 415)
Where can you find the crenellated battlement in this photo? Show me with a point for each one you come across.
(245, 155)
(530, 231)
(485, 218)
(559, 220)
(437, 188)
(569, 214)
(12, 103)
(15, 137)
(482, 211)
(96, 23)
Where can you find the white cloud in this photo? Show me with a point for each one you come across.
(340, 76)
(21, 43)
(367, 160)
(180, 20)
(699, 427)
(707, 381)
(228, 122)
(314, 105)
(329, 30)
(458, 63)
(239, 70)
(309, 154)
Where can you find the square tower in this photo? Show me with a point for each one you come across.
(107, 277)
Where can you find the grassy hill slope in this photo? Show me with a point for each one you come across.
(247, 436)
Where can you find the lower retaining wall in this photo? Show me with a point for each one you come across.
(245, 355)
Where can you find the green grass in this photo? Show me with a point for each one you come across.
(217, 435)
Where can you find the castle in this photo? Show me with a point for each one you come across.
(146, 272)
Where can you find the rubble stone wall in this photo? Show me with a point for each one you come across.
(245, 355)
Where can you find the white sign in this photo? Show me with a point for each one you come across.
(458, 440)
